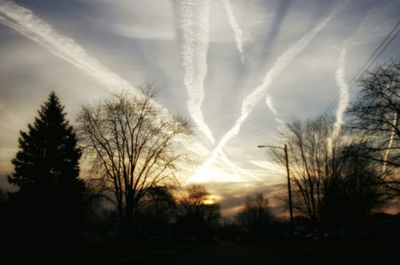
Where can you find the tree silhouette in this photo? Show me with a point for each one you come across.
(197, 218)
(48, 204)
(256, 215)
(311, 161)
(133, 149)
(3, 215)
(352, 195)
(157, 212)
(335, 184)
(375, 114)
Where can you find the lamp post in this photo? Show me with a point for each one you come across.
(288, 182)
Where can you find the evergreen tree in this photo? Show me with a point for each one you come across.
(48, 203)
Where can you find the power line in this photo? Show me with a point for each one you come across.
(360, 71)
(390, 37)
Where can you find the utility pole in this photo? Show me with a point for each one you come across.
(288, 183)
(289, 190)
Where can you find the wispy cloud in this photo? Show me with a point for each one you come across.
(259, 92)
(235, 169)
(237, 30)
(31, 26)
(12, 119)
(194, 26)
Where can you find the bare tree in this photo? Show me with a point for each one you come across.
(133, 148)
(330, 173)
(310, 159)
(376, 113)
(195, 204)
(355, 191)
(196, 217)
(255, 216)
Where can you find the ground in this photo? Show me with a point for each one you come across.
(334, 252)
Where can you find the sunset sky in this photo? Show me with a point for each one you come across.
(237, 69)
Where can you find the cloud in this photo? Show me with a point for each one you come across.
(31, 26)
(252, 99)
(232, 195)
(14, 119)
(268, 165)
(237, 30)
(194, 26)
(235, 169)
(275, 29)
(147, 20)
(28, 24)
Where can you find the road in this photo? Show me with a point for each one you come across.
(228, 253)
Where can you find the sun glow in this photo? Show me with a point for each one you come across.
(213, 174)
(212, 199)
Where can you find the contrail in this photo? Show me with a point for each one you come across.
(390, 143)
(235, 168)
(34, 28)
(343, 94)
(237, 30)
(31, 26)
(270, 105)
(268, 102)
(252, 99)
(194, 26)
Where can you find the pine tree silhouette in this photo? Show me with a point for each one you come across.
(49, 202)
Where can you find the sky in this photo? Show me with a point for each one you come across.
(236, 69)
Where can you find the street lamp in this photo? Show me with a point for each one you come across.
(288, 181)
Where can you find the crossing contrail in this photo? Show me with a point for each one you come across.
(259, 92)
(194, 26)
(237, 30)
(34, 28)
(343, 94)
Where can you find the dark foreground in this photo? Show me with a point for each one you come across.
(217, 252)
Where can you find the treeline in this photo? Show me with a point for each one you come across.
(342, 174)
(131, 192)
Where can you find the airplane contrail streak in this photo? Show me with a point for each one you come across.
(237, 30)
(259, 92)
(343, 94)
(268, 102)
(390, 143)
(34, 28)
(270, 105)
(235, 168)
(194, 26)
